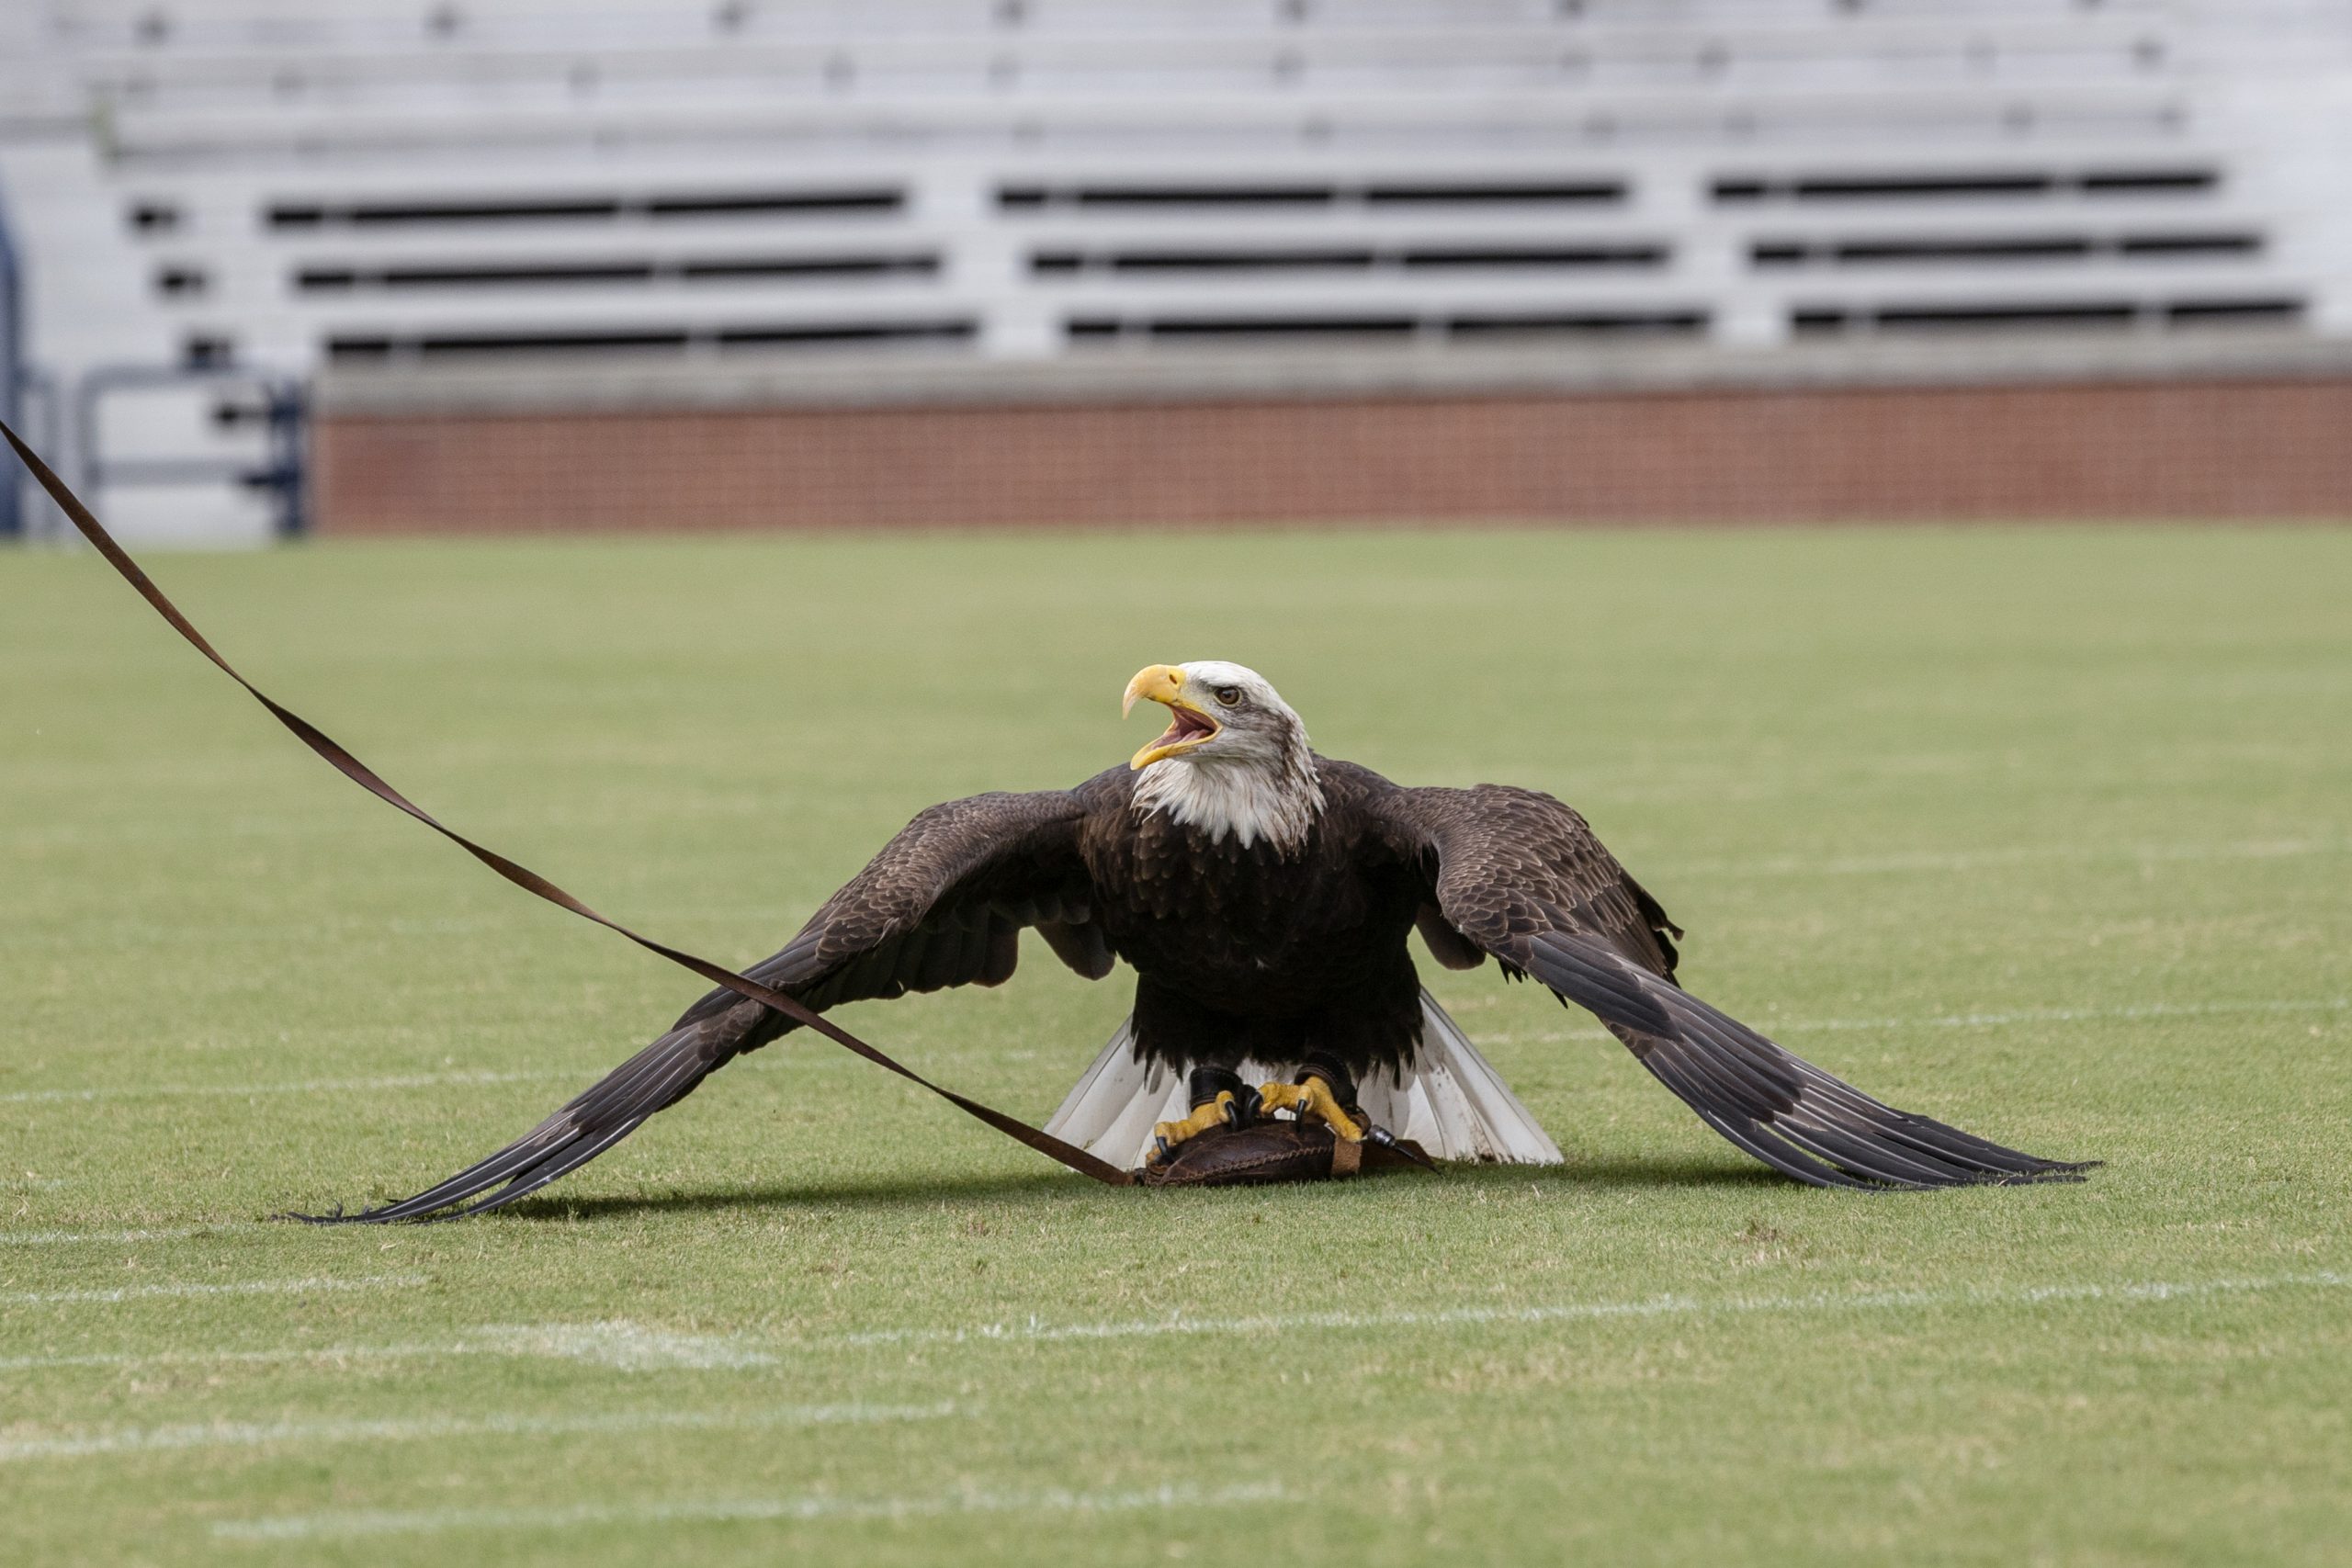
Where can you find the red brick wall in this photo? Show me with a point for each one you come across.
(2217, 448)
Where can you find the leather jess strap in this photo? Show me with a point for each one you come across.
(523, 876)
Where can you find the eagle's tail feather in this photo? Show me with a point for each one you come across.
(1111, 1110)
(1471, 1113)
(1450, 1102)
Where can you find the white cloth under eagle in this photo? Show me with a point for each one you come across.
(1447, 1099)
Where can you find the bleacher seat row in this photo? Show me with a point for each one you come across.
(279, 186)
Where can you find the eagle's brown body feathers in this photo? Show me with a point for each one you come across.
(1258, 955)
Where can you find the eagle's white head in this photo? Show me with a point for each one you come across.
(1234, 760)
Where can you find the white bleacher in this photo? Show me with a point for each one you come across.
(293, 185)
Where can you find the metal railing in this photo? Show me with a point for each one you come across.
(279, 404)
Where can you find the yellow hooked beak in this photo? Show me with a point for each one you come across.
(1189, 725)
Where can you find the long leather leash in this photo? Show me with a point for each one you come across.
(521, 876)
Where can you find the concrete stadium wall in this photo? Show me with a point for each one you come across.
(2264, 438)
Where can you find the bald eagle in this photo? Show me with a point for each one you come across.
(1262, 894)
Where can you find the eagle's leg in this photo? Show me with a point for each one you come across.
(1219, 1099)
(1325, 1092)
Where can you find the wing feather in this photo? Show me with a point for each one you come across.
(1515, 874)
(942, 905)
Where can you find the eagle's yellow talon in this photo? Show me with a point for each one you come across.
(1312, 1101)
(1167, 1136)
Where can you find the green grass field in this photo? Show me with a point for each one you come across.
(2046, 833)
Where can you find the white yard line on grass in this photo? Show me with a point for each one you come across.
(124, 1239)
(622, 1345)
(299, 1086)
(1033, 1331)
(331, 1354)
(2071, 1015)
(259, 1434)
(1771, 1025)
(584, 1075)
(810, 1507)
(236, 1288)
(632, 1347)
(628, 1346)
(1899, 861)
(418, 1080)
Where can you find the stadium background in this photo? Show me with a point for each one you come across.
(508, 264)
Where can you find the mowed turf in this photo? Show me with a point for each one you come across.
(2045, 833)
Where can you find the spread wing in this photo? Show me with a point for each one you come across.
(943, 905)
(1515, 874)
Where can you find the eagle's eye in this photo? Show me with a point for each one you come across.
(1228, 695)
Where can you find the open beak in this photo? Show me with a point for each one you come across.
(1188, 725)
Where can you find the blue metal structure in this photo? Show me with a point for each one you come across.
(12, 374)
(278, 403)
